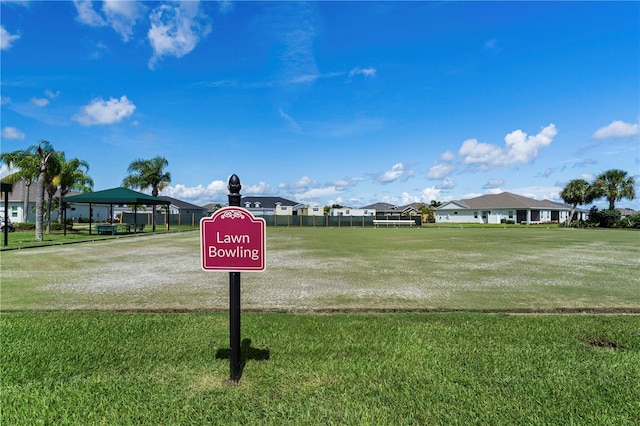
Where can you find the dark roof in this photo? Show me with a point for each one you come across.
(268, 202)
(181, 204)
(19, 191)
(382, 207)
(115, 196)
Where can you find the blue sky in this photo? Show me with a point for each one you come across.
(329, 102)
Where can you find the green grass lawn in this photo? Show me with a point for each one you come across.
(309, 269)
(67, 358)
(136, 369)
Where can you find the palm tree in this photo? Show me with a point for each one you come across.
(72, 176)
(614, 185)
(44, 151)
(25, 162)
(577, 192)
(145, 174)
(32, 164)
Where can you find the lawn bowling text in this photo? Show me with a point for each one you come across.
(237, 251)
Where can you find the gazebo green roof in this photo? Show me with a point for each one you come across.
(115, 196)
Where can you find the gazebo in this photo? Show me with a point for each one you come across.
(111, 197)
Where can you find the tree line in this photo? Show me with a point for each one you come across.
(613, 185)
(55, 176)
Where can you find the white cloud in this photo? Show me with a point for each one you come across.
(447, 156)
(314, 194)
(519, 149)
(118, 14)
(100, 112)
(199, 195)
(446, 183)
(40, 101)
(397, 172)
(430, 193)
(12, 133)
(440, 170)
(176, 30)
(262, 188)
(87, 15)
(122, 16)
(5, 100)
(617, 129)
(493, 183)
(6, 38)
(366, 72)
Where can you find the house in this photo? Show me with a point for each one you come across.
(384, 210)
(22, 192)
(502, 208)
(184, 208)
(267, 206)
(311, 211)
(347, 211)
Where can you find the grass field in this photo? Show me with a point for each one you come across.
(349, 369)
(68, 355)
(308, 269)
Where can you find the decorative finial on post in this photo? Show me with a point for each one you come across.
(234, 190)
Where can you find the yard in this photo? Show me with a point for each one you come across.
(321, 269)
(95, 333)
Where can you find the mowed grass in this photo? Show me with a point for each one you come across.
(61, 366)
(80, 368)
(309, 269)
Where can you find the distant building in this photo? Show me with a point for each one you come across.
(504, 207)
(20, 193)
(266, 206)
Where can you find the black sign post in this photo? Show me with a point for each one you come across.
(234, 296)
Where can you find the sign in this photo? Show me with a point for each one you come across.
(232, 239)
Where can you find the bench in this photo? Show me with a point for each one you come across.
(106, 229)
(139, 227)
(394, 222)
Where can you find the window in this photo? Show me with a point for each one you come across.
(247, 204)
(510, 214)
(455, 212)
(475, 215)
(14, 212)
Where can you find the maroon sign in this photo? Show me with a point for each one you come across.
(232, 239)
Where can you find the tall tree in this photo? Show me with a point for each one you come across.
(51, 186)
(614, 185)
(25, 164)
(44, 151)
(577, 192)
(73, 176)
(144, 174)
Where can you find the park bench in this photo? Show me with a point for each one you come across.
(139, 227)
(393, 222)
(106, 229)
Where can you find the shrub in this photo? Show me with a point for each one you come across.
(604, 218)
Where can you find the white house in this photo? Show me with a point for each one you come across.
(21, 193)
(267, 206)
(502, 208)
(347, 211)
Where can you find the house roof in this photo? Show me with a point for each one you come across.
(505, 200)
(19, 191)
(181, 204)
(115, 196)
(269, 202)
(381, 207)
